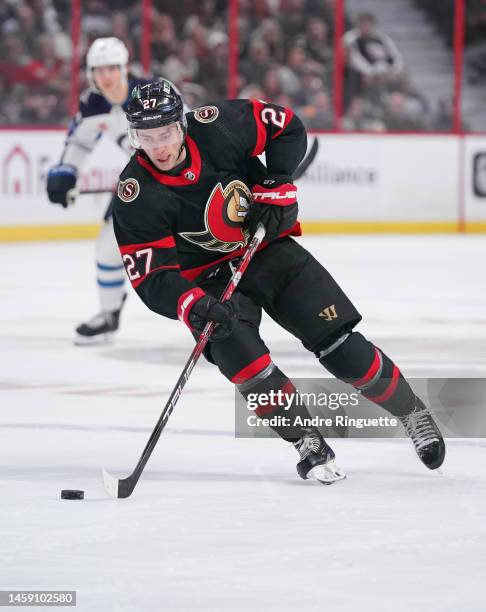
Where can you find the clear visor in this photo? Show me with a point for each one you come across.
(155, 138)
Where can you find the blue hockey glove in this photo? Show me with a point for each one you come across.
(60, 179)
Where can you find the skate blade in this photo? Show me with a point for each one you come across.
(327, 473)
(98, 340)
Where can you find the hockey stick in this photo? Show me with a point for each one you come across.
(73, 193)
(124, 487)
(95, 191)
(307, 161)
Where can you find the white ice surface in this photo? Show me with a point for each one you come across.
(218, 523)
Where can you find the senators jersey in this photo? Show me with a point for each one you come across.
(174, 228)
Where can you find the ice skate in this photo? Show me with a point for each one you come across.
(425, 435)
(100, 329)
(317, 459)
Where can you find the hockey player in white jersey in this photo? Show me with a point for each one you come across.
(101, 112)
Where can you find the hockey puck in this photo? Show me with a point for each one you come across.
(72, 494)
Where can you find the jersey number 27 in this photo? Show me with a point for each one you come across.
(130, 263)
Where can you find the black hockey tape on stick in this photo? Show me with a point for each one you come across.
(307, 161)
(124, 487)
(73, 193)
(95, 191)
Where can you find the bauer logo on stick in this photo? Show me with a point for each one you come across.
(128, 190)
(206, 114)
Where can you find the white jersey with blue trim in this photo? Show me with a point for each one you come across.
(97, 117)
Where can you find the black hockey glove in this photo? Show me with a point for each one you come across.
(274, 205)
(60, 179)
(207, 308)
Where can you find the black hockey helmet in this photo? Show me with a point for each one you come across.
(154, 105)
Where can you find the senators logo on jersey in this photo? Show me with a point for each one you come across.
(128, 190)
(225, 212)
(206, 114)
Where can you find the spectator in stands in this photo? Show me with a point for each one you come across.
(28, 25)
(293, 20)
(402, 114)
(253, 67)
(194, 94)
(312, 82)
(252, 91)
(270, 33)
(40, 107)
(214, 68)
(164, 38)
(120, 26)
(363, 116)
(183, 65)
(17, 65)
(316, 41)
(293, 69)
(50, 66)
(96, 19)
(271, 83)
(318, 114)
(373, 59)
(199, 35)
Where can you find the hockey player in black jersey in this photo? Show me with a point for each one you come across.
(188, 201)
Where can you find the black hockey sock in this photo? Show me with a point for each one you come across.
(366, 367)
(277, 397)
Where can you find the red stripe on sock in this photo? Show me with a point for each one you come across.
(390, 390)
(251, 369)
(371, 372)
(287, 389)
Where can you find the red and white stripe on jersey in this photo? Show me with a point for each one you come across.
(282, 195)
(186, 302)
(270, 122)
(140, 260)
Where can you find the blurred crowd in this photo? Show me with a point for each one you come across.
(34, 62)
(378, 93)
(285, 52)
(286, 55)
(442, 15)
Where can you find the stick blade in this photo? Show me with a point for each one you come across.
(110, 483)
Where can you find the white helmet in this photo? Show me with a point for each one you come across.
(109, 51)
